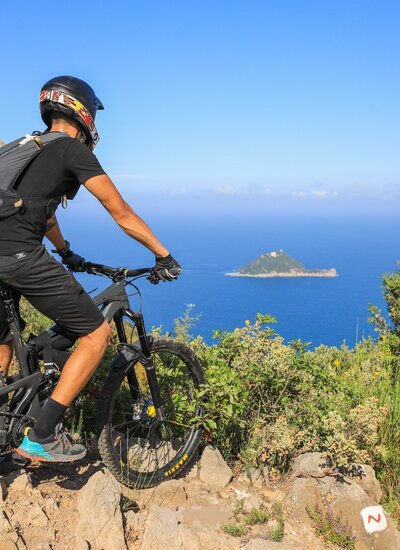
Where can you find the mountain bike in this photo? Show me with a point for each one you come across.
(148, 414)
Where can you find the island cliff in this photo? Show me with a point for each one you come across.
(279, 264)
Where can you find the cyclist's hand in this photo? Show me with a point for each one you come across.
(166, 269)
(70, 259)
(73, 261)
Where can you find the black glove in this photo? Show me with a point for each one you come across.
(73, 261)
(70, 259)
(166, 269)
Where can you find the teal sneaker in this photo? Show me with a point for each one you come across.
(59, 448)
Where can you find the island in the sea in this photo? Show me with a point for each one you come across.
(279, 264)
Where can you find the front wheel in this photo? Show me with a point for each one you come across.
(139, 450)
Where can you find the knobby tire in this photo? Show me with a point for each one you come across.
(138, 450)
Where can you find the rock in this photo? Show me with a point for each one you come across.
(345, 498)
(98, 504)
(37, 517)
(20, 482)
(333, 487)
(240, 494)
(82, 544)
(204, 539)
(225, 493)
(133, 521)
(367, 480)
(162, 530)
(51, 506)
(389, 538)
(42, 546)
(206, 517)
(263, 544)
(311, 465)
(193, 472)
(213, 468)
(304, 493)
(170, 494)
(8, 544)
(6, 527)
(253, 501)
(191, 529)
(51, 534)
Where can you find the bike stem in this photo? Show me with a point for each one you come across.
(149, 366)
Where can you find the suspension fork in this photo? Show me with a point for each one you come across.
(131, 375)
(20, 348)
(148, 364)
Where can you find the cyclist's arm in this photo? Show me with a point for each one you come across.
(106, 192)
(53, 233)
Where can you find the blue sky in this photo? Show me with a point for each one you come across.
(252, 102)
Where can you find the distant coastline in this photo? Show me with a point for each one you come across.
(279, 264)
(317, 273)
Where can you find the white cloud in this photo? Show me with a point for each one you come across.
(299, 194)
(320, 194)
(226, 189)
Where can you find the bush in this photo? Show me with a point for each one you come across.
(268, 402)
(333, 529)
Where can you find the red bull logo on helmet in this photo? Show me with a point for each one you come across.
(64, 99)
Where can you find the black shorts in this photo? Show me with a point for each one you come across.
(51, 289)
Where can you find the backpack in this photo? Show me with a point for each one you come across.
(15, 157)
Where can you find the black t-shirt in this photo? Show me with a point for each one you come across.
(58, 170)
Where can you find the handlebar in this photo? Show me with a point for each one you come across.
(114, 273)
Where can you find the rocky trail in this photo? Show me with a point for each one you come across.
(82, 507)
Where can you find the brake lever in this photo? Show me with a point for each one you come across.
(153, 278)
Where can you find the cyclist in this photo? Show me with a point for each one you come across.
(68, 105)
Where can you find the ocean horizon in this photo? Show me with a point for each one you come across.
(360, 244)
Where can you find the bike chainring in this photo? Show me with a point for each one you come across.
(11, 438)
(18, 431)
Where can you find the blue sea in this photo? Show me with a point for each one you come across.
(361, 244)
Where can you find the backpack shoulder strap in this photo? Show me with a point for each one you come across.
(16, 157)
(42, 140)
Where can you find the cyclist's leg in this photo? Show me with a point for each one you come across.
(82, 364)
(6, 351)
(64, 301)
(55, 293)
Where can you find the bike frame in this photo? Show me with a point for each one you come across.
(114, 305)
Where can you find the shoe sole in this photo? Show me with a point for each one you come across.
(64, 458)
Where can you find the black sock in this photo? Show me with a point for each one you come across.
(50, 415)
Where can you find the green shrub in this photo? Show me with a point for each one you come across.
(245, 520)
(268, 402)
(332, 528)
(277, 513)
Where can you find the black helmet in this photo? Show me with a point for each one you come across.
(74, 98)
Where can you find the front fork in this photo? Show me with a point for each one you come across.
(148, 364)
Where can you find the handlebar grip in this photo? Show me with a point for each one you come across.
(136, 272)
(90, 266)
